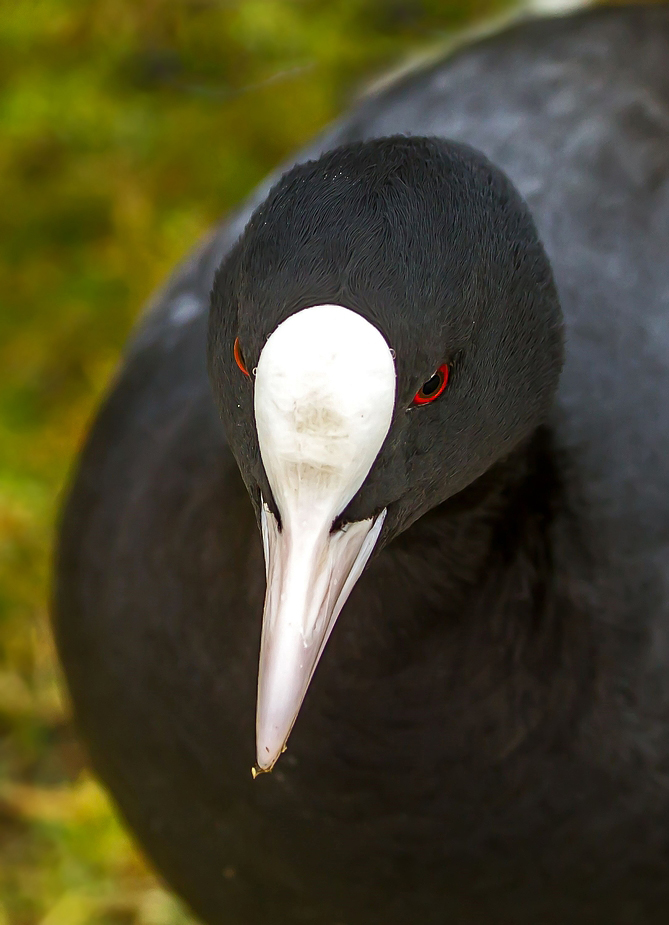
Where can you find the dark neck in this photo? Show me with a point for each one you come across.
(489, 656)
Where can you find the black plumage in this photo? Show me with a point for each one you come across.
(487, 736)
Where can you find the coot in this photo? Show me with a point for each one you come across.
(380, 425)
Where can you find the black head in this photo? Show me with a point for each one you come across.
(431, 243)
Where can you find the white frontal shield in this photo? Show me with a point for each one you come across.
(324, 399)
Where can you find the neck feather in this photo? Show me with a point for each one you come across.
(490, 655)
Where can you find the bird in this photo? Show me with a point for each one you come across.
(377, 507)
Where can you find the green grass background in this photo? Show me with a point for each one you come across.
(126, 128)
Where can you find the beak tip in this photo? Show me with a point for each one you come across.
(257, 770)
(267, 756)
(266, 764)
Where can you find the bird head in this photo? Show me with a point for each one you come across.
(384, 331)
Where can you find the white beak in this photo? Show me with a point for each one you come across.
(324, 398)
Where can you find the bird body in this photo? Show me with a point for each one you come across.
(486, 738)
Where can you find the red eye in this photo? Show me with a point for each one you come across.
(239, 357)
(433, 387)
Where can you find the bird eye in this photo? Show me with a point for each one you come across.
(433, 387)
(239, 357)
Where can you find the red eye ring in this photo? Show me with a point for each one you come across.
(239, 359)
(429, 391)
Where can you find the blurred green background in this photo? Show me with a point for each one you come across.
(127, 127)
